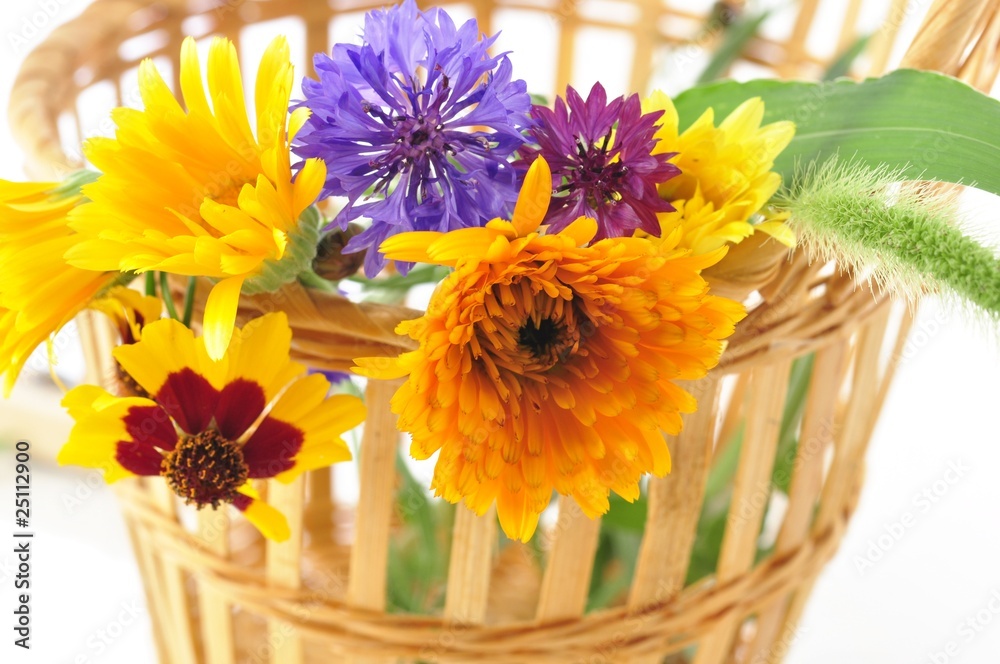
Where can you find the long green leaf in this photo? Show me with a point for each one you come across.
(842, 65)
(928, 125)
(736, 38)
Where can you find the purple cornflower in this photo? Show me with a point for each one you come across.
(335, 377)
(601, 161)
(415, 126)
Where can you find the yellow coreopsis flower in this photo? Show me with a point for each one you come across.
(129, 310)
(549, 363)
(210, 427)
(39, 292)
(195, 191)
(725, 177)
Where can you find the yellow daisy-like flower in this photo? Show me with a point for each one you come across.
(195, 191)
(726, 175)
(210, 427)
(39, 292)
(545, 363)
(129, 310)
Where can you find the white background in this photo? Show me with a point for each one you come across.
(913, 604)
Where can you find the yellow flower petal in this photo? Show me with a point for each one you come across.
(383, 368)
(779, 230)
(411, 247)
(725, 174)
(270, 522)
(220, 315)
(533, 200)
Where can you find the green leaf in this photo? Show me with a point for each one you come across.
(617, 553)
(392, 290)
(735, 40)
(927, 125)
(788, 439)
(626, 515)
(842, 65)
(417, 566)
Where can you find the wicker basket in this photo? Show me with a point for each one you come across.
(219, 594)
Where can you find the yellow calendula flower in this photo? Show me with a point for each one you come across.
(39, 292)
(194, 191)
(548, 363)
(210, 427)
(725, 177)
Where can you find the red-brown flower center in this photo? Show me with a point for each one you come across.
(206, 469)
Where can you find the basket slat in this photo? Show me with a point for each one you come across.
(174, 584)
(366, 585)
(764, 407)
(151, 584)
(815, 438)
(847, 462)
(795, 47)
(216, 615)
(849, 28)
(472, 545)
(284, 567)
(674, 505)
(570, 564)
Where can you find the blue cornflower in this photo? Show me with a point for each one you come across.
(602, 161)
(416, 126)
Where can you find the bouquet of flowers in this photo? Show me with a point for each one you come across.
(583, 252)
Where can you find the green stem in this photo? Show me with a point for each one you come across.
(168, 299)
(189, 300)
(313, 280)
(151, 284)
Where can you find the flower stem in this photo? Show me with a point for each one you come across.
(189, 300)
(168, 299)
(312, 280)
(151, 284)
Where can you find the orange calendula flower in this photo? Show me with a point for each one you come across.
(210, 427)
(547, 364)
(726, 175)
(195, 191)
(39, 292)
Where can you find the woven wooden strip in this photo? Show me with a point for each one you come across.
(570, 564)
(765, 404)
(849, 27)
(472, 544)
(815, 439)
(674, 506)
(284, 567)
(377, 476)
(851, 439)
(946, 33)
(151, 586)
(697, 608)
(177, 603)
(882, 42)
(215, 612)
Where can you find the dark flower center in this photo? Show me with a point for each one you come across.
(205, 469)
(417, 136)
(548, 341)
(128, 386)
(595, 174)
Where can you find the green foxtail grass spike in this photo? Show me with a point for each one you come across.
(903, 236)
